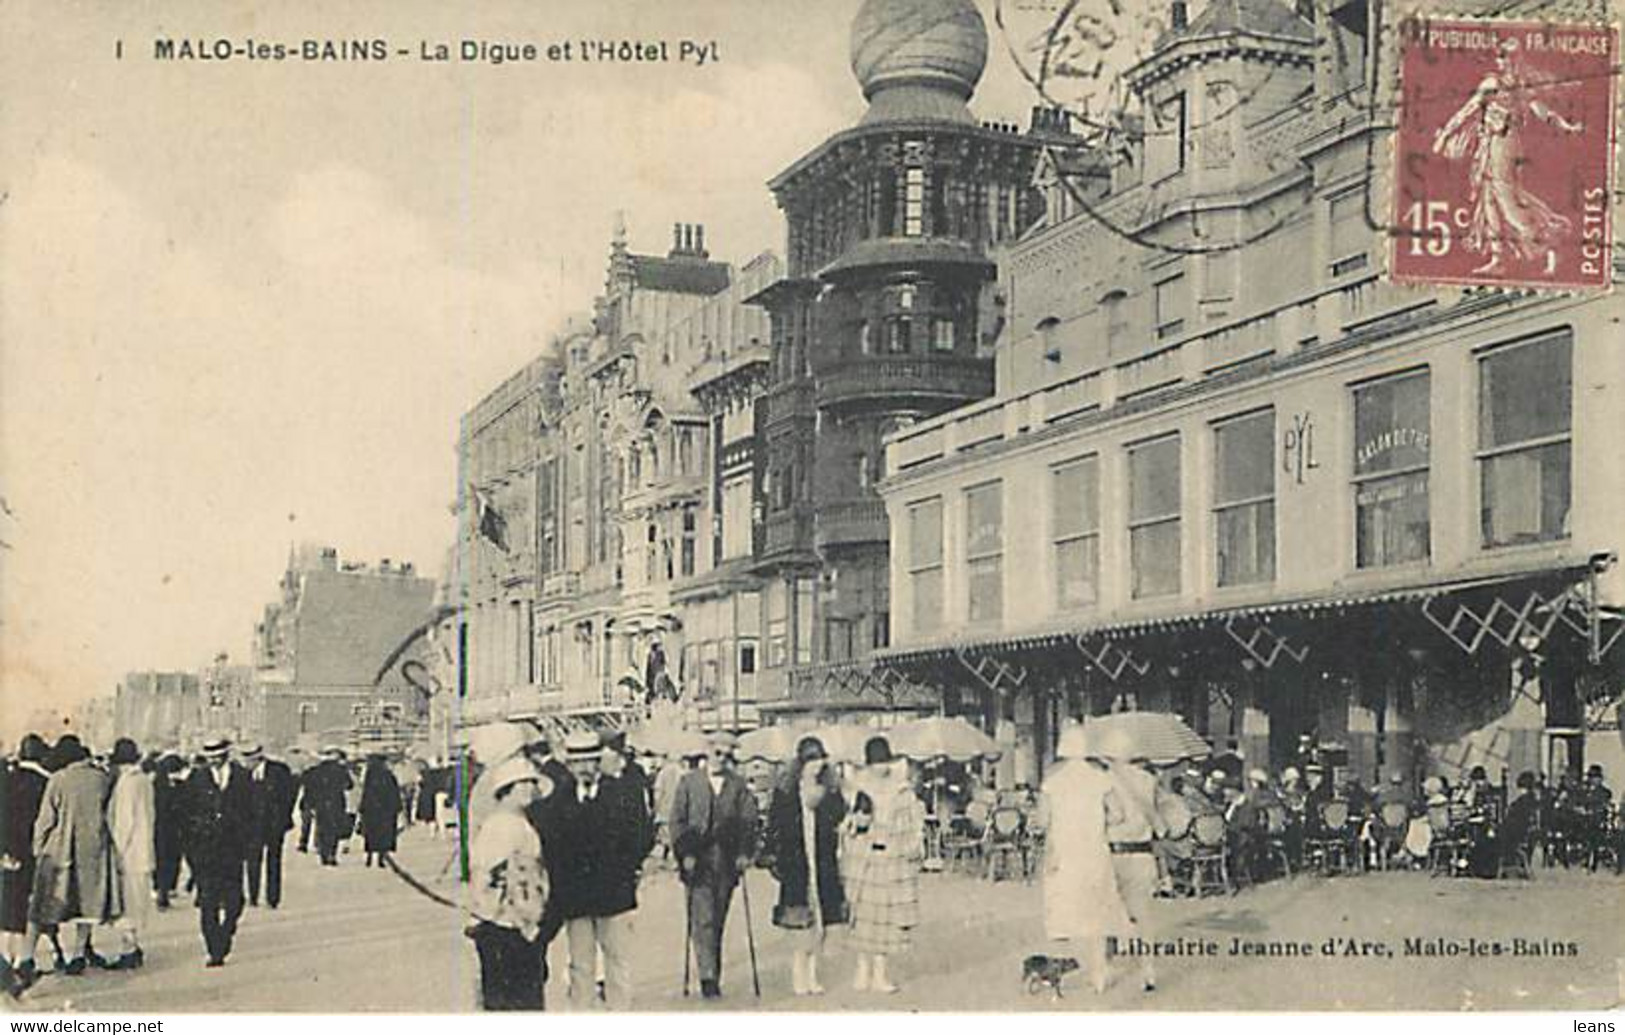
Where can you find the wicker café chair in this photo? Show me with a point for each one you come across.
(1210, 861)
(1447, 852)
(1275, 835)
(962, 842)
(1002, 843)
(1393, 823)
(1329, 844)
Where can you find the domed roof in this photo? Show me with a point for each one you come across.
(940, 44)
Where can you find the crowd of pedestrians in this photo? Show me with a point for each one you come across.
(846, 853)
(92, 846)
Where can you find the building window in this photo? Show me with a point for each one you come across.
(1219, 276)
(1172, 303)
(913, 202)
(1350, 232)
(942, 334)
(899, 334)
(747, 657)
(1154, 532)
(1392, 439)
(839, 643)
(1244, 499)
(865, 344)
(651, 552)
(925, 563)
(1115, 306)
(1075, 524)
(984, 551)
(804, 621)
(1524, 421)
(778, 624)
(690, 539)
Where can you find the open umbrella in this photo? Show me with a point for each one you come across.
(667, 739)
(942, 737)
(770, 743)
(1158, 737)
(843, 743)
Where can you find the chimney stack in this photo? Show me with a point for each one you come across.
(699, 240)
(676, 238)
(1180, 15)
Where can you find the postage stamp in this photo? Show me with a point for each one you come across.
(1504, 154)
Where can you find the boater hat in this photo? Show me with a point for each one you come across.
(215, 748)
(582, 744)
(251, 752)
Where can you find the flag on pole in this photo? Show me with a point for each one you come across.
(489, 520)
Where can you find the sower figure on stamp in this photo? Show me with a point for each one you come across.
(713, 832)
(272, 782)
(221, 808)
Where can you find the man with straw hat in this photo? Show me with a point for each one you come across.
(220, 806)
(594, 849)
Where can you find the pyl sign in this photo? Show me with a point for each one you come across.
(1298, 446)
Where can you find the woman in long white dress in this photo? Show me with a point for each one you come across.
(1082, 907)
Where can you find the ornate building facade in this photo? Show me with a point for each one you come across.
(1242, 477)
(609, 502)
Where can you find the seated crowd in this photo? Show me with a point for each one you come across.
(1232, 833)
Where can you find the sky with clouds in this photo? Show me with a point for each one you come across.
(242, 304)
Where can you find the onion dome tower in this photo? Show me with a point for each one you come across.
(886, 312)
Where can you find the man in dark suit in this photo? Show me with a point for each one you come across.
(592, 841)
(322, 791)
(713, 833)
(272, 783)
(220, 806)
(630, 786)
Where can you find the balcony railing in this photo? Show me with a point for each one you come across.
(940, 376)
(787, 531)
(789, 401)
(849, 522)
(561, 585)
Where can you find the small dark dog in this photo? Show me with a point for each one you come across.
(1040, 972)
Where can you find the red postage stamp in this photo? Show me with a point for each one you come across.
(1504, 154)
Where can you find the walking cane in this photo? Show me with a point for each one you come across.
(750, 933)
(688, 935)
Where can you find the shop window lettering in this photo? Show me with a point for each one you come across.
(1393, 438)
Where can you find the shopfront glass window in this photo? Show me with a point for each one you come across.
(1154, 520)
(925, 563)
(1075, 520)
(1525, 403)
(1392, 447)
(984, 551)
(1244, 499)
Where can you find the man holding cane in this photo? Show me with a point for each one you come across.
(713, 830)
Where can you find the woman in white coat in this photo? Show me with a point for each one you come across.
(130, 813)
(1082, 907)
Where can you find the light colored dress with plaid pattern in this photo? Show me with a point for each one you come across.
(883, 878)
